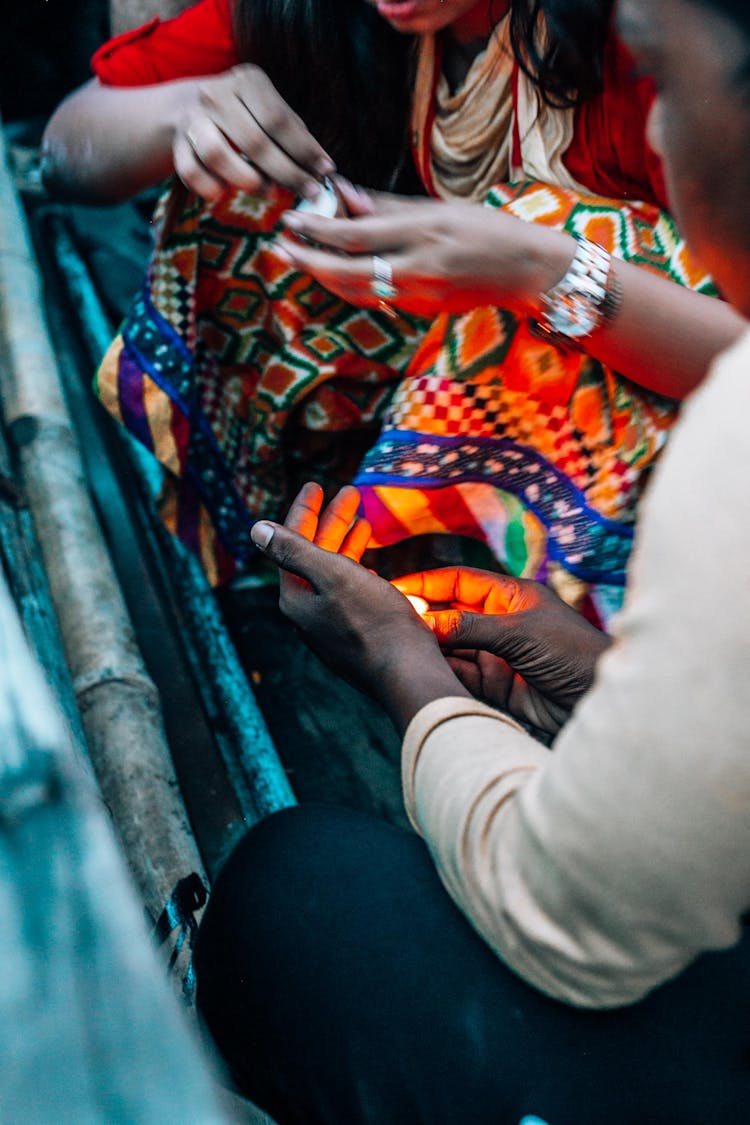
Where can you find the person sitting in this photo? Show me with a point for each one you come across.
(242, 374)
(565, 934)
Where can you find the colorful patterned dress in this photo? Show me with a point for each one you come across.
(540, 452)
(244, 377)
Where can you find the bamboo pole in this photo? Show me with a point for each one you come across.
(118, 702)
(250, 757)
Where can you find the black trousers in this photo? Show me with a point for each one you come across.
(342, 985)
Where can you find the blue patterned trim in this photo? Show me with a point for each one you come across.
(162, 355)
(159, 349)
(587, 544)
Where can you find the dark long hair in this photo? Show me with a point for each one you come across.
(348, 73)
(567, 62)
(343, 69)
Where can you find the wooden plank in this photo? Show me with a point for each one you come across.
(89, 1031)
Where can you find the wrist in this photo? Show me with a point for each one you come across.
(584, 300)
(183, 103)
(410, 676)
(545, 259)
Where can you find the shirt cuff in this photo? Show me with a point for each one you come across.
(424, 723)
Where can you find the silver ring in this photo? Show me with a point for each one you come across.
(191, 141)
(381, 285)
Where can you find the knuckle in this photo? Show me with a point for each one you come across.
(191, 175)
(350, 241)
(275, 119)
(282, 553)
(252, 181)
(463, 627)
(210, 150)
(450, 627)
(259, 148)
(207, 96)
(247, 72)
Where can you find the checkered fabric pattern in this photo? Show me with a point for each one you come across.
(231, 367)
(483, 379)
(241, 374)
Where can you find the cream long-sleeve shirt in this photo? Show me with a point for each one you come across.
(603, 867)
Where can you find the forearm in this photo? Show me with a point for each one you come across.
(583, 867)
(403, 691)
(663, 336)
(105, 144)
(601, 869)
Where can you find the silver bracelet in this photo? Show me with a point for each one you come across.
(584, 299)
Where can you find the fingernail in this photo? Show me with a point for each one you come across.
(325, 166)
(261, 534)
(291, 220)
(311, 190)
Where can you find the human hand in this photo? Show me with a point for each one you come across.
(510, 641)
(356, 622)
(239, 132)
(442, 256)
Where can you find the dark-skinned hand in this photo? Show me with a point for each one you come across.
(510, 641)
(239, 132)
(356, 622)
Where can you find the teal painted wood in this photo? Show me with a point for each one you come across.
(90, 1033)
(118, 702)
(249, 754)
(30, 590)
(250, 757)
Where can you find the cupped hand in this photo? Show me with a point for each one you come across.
(510, 641)
(239, 132)
(356, 622)
(442, 256)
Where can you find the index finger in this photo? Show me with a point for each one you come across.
(288, 132)
(304, 512)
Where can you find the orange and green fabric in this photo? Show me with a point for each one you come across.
(243, 376)
(540, 452)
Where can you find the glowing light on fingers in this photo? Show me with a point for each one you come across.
(421, 605)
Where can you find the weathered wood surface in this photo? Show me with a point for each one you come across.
(118, 702)
(19, 552)
(89, 1031)
(248, 753)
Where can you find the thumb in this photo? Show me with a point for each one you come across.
(291, 551)
(457, 628)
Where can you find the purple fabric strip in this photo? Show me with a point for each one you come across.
(130, 389)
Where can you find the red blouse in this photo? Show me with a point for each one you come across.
(609, 152)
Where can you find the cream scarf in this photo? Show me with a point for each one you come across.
(471, 141)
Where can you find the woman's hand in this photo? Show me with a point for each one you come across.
(442, 256)
(356, 622)
(510, 641)
(239, 132)
(106, 143)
